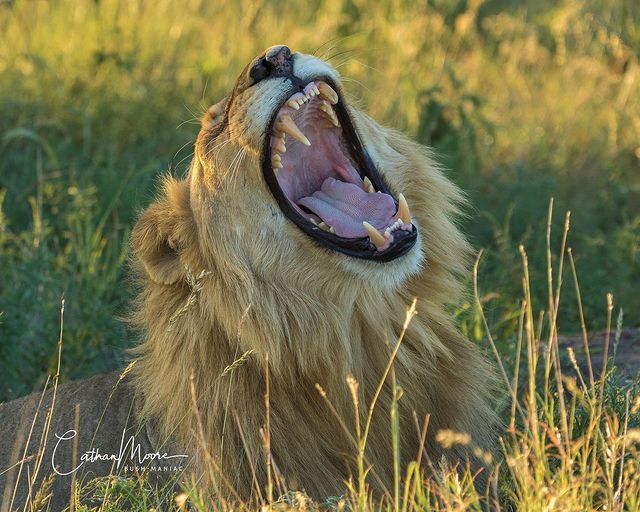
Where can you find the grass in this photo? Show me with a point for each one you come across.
(571, 438)
(523, 101)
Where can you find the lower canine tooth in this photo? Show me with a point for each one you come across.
(324, 226)
(328, 109)
(375, 236)
(327, 92)
(403, 213)
(285, 124)
(368, 185)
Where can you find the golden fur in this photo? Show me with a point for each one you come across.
(223, 272)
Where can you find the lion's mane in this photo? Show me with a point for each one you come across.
(218, 285)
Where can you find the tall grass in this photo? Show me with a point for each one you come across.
(571, 438)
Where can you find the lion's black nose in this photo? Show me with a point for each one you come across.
(276, 61)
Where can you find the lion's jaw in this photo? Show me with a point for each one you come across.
(237, 215)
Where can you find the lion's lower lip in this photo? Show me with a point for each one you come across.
(324, 181)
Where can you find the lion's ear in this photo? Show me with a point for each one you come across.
(154, 249)
(214, 113)
(165, 228)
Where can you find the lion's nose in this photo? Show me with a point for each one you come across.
(277, 61)
(278, 55)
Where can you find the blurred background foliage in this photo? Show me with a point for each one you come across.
(521, 99)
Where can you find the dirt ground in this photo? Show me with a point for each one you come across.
(626, 351)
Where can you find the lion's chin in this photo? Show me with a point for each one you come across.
(387, 278)
(324, 181)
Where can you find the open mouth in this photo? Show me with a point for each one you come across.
(324, 181)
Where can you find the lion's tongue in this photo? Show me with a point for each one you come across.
(345, 206)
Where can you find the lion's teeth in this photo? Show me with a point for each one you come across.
(375, 236)
(280, 146)
(368, 186)
(293, 104)
(310, 90)
(328, 109)
(325, 227)
(315, 89)
(396, 225)
(286, 125)
(276, 162)
(403, 213)
(327, 92)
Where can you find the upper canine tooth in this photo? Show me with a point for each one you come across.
(368, 185)
(403, 213)
(285, 124)
(293, 104)
(326, 91)
(376, 237)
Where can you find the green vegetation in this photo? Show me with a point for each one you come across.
(522, 100)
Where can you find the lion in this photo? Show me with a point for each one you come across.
(278, 269)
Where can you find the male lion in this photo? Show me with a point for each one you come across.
(286, 258)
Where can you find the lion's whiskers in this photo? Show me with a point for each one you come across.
(188, 156)
(217, 148)
(235, 163)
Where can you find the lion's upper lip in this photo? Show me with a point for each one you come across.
(323, 179)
